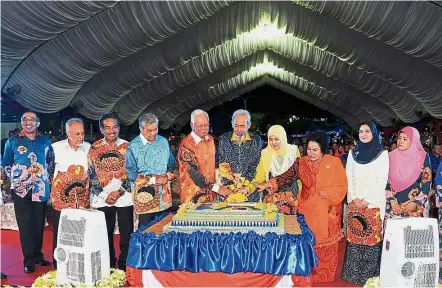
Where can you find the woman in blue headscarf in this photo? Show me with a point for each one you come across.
(367, 174)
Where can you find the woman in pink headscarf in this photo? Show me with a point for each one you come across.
(409, 178)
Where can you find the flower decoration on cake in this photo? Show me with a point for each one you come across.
(270, 210)
(236, 198)
(260, 205)
(182, 210)
(220, 205)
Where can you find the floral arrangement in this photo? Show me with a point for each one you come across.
(374, 282)
(117, 278)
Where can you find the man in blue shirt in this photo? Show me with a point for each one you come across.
(149, 166)
(24, 164)
(242, 151)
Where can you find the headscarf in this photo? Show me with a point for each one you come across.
(406, 166)
(365, 153)
(285, 150)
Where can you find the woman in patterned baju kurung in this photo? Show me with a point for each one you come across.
(367, 174)
(324, 186)
(276, 159)
(439, 218)
(409, 178)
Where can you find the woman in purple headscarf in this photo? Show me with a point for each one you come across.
(409, 178)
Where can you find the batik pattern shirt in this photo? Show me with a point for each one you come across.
(438, 189)
(107, 172)
(196, 158)
(243, 158)
(24, 165)
(144, 162)
(414, 200)
(67, 169)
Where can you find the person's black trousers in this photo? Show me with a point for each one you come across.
(125, 216)
(30, 216)
(55, 221)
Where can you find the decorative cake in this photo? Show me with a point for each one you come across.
(224, 217)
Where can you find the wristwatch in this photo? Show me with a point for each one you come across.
(121, 192)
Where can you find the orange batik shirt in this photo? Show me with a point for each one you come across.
(196, 159)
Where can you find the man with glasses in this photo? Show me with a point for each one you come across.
(242, 151)
(196, 158)
(110, 188)
(24, 163)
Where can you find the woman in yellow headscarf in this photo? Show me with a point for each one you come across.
(275, 160)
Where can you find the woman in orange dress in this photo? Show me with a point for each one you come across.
(324, 186)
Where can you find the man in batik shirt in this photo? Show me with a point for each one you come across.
(240, 151)
(67, 166)
(149, 165)
(196, 158)
(110, 189)
(24, 163)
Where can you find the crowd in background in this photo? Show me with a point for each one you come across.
(149, 174)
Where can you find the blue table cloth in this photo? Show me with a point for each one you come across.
(284, 254)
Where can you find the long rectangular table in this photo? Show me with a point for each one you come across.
(158, 259)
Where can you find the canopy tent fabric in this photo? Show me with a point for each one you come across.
(379, 61)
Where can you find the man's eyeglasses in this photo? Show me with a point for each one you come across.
(29, 120)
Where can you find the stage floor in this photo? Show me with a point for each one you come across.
(12, 260)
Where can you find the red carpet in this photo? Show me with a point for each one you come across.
(12, 260)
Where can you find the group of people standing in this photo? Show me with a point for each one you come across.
(120, 177)
(378, 185)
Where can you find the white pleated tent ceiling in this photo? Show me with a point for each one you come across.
(378, 61)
